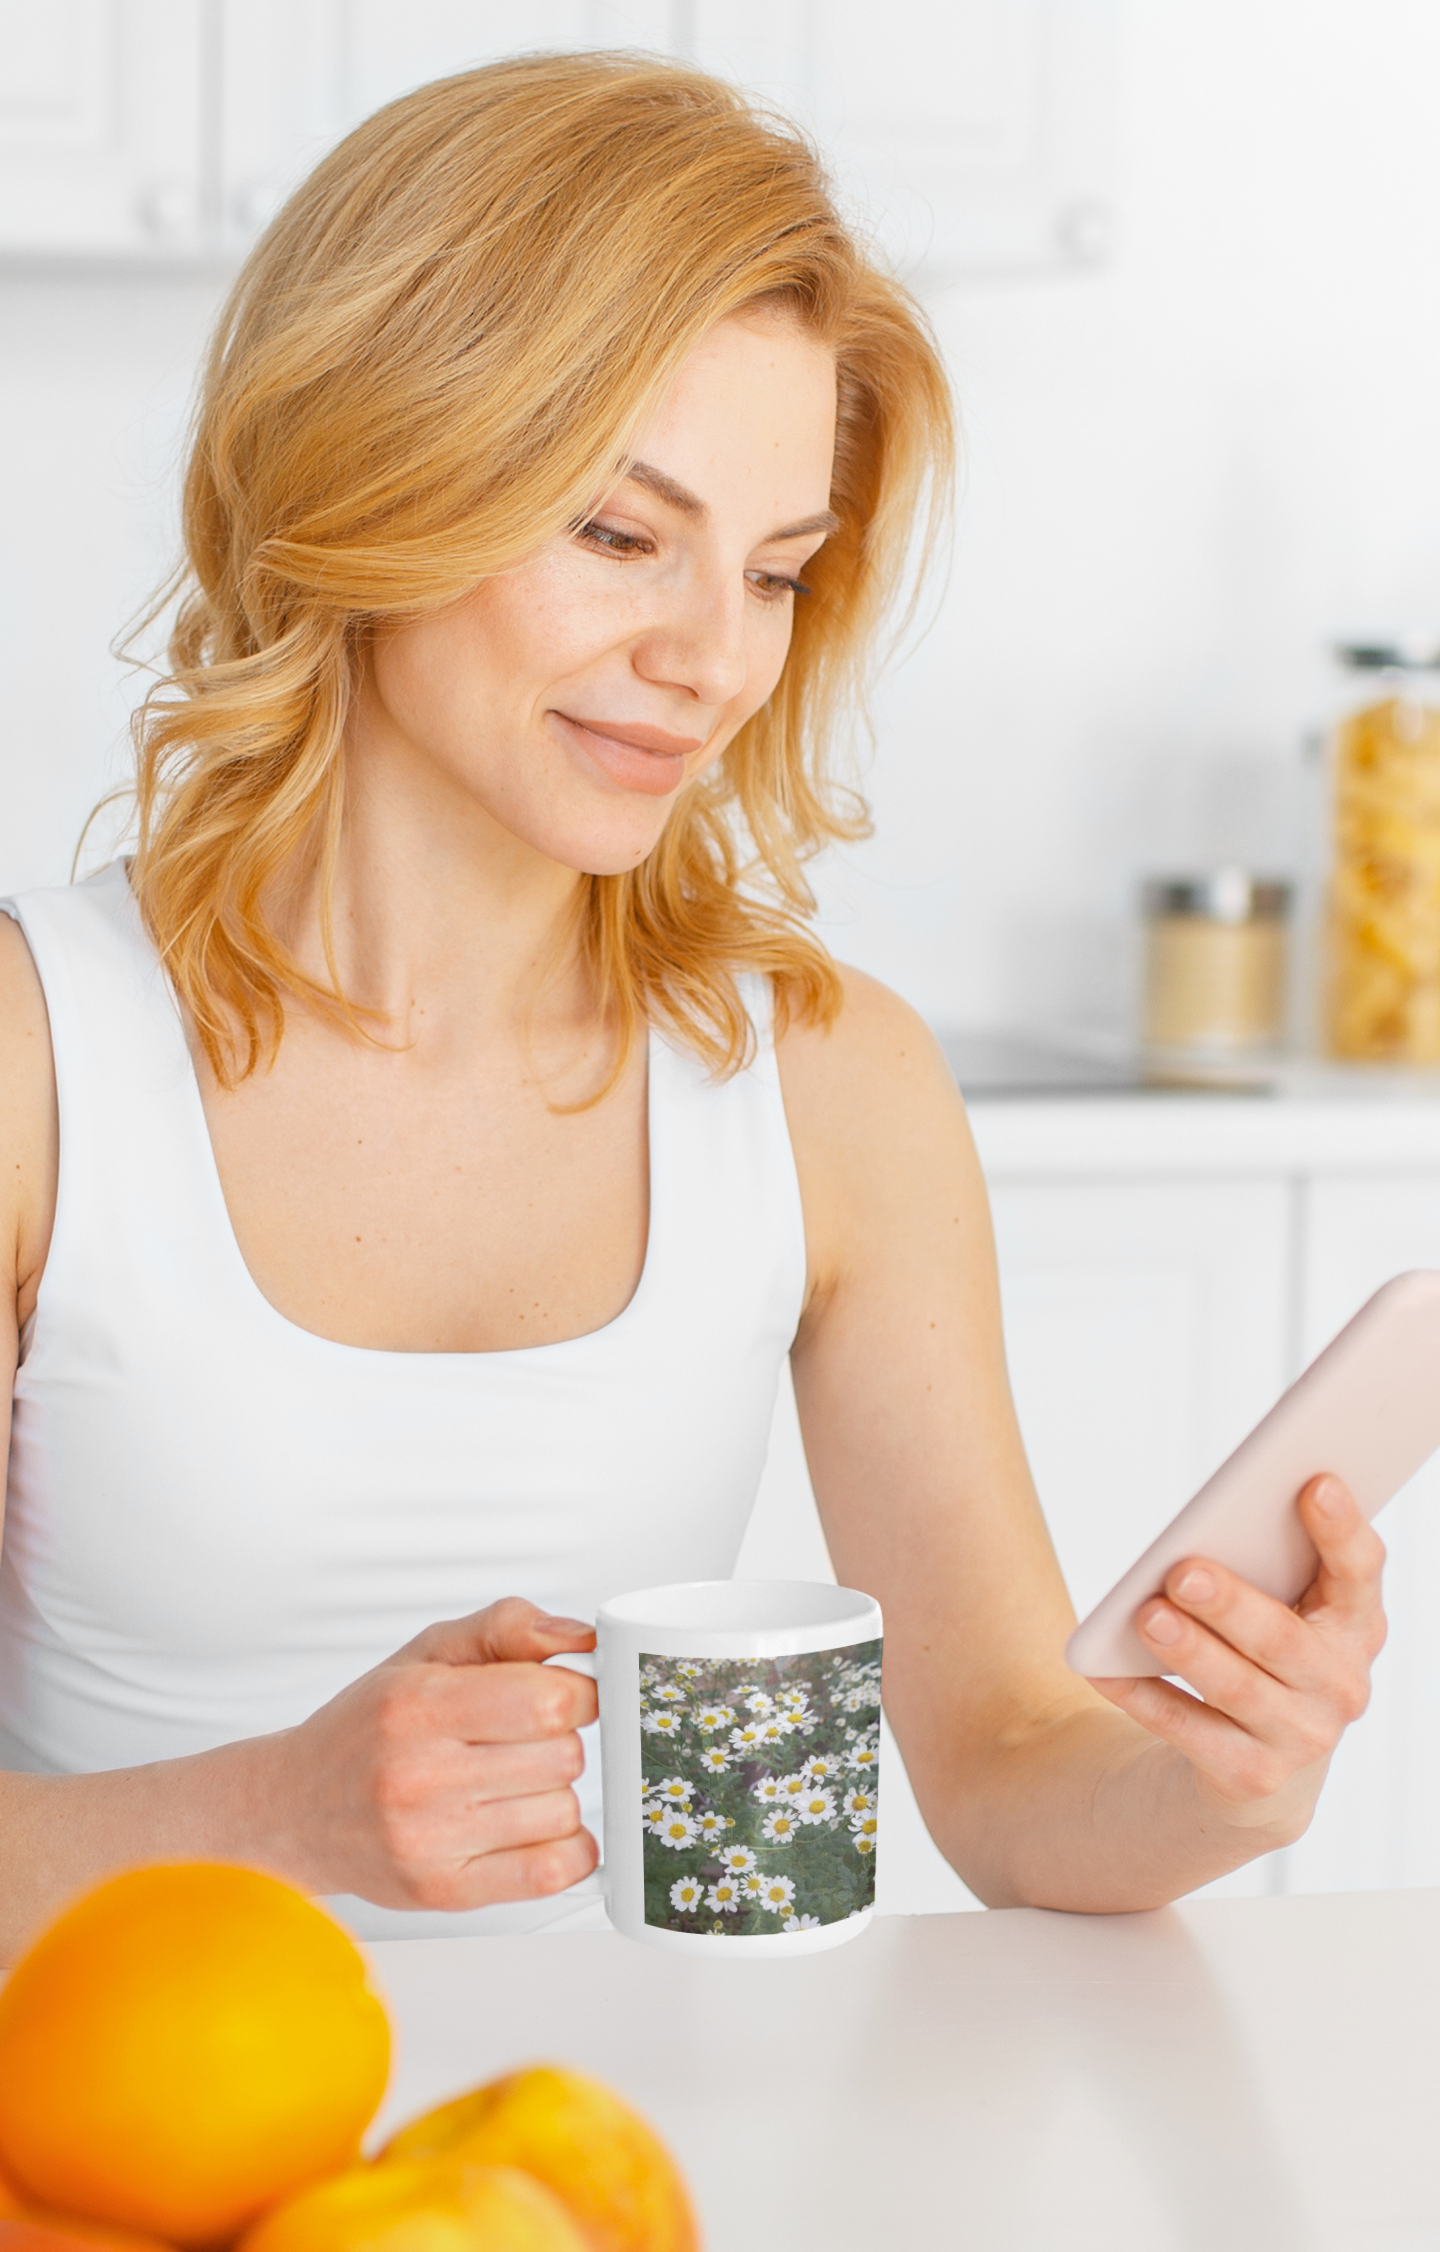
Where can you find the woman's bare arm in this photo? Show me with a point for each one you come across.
(440, 1779)
(1036, 1788)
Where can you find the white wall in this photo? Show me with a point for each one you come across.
(1185, 470)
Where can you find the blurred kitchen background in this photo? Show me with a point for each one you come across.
(1184, 258)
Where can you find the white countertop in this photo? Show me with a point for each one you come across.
(1317, 1118)
(1238, 2076)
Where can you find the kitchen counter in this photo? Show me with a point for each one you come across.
(1242, 2076)
(1039, 1110)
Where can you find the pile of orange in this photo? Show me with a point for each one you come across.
(190, 2056)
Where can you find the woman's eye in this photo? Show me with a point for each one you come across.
(612, 540)
(772, 586)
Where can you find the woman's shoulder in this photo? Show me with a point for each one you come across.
(29, 1134)
(875, 1059)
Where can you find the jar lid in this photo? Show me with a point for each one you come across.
(1399, 652)
(1226, 895)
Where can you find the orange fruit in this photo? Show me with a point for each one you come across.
(54, 2232)
(428, 2205)
(184, 2046)
(611, 2170)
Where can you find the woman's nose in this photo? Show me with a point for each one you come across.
(699, 645)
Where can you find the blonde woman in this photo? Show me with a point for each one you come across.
(418, 1160)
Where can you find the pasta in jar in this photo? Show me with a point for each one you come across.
(1383, 935)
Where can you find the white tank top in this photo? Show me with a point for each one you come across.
(215, 1519)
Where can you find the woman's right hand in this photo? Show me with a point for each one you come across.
(442, 1779)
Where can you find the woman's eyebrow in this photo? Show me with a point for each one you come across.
(678, 496)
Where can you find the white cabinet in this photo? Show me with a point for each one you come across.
(1378, 1822)
(297, 74)
(972, 135)
(101, 126)
(1146, 1327)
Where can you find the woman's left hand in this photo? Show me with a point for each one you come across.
(1280, 1686)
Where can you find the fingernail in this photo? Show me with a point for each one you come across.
(1196, 1587)
(562, 1626)
(1162, 1626)
(1330, 1497)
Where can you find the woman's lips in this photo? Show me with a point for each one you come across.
(637, 758)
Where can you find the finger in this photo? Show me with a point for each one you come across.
(1236, 1765)
(529, 1872)
(1351, 1552)
(471, 1775)
(1201, 1596)
(525, 1872)
(509, 1629)
(489, 1704)
(1232, 1684)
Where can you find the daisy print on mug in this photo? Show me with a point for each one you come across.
(765, 1816)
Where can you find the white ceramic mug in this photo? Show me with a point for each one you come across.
(740, 1745)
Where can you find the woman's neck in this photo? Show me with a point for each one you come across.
(437, 909)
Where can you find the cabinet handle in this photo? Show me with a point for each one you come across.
(168, 211)
(254, 204)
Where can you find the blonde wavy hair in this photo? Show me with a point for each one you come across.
(437, 359)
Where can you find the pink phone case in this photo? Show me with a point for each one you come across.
(1368, 1408)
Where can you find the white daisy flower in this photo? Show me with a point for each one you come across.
(865, 1759)
(666, 1693)
(864, 1845)
(821, 1767)
(752, 1884)
(794, 1786)
(801, 1923)
(653, 1813)
(677, 1828)
(781, 1827)
(711, 1826)
(775, 1730)
(677, 1789)
(715, 1759)
(710, 1717)
(686, 1894)
(776, 1894)
(759, 1701)
(688, 1670)
(817, 1805)
(769, 1789)
(865, 1826)
(858, 1801)
(737, 1860)
(723, 1896)
(793, 1700)
(661, 1723)
(747, 1738)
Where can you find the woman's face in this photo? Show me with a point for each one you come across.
(572, 698)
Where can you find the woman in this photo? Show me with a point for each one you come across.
(419, 1160)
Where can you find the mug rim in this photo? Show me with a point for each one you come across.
(743, 1608)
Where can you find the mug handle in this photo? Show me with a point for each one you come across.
(578, 1661)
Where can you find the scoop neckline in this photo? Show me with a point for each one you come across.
(215, 1193)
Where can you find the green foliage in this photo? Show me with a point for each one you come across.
(761, 1789)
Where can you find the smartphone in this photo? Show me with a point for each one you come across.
(1367, 1408)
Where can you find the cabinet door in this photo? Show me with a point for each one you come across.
(1378, 1822)
(1147, 1328)
(974, 136)
(300, 73)
(101, 126)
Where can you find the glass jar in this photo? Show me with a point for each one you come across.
(1382, 920)
(1215, 961)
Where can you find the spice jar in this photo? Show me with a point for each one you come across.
(1215, 961)
(1382, 938)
